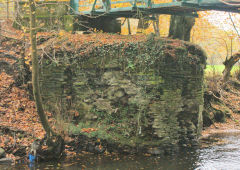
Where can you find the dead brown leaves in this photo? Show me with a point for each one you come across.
(17, 112)
(231, 99)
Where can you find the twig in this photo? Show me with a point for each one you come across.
(14, 136)
(236, 2)
(48, 55)
(233, 24)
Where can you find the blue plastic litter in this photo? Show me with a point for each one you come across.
(31, 158)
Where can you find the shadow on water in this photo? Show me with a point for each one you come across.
(219, 157)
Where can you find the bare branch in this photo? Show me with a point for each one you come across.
(232, 2)
(234, 24)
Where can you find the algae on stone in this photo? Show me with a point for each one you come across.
(143, 94)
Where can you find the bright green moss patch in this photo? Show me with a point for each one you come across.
(218, 69)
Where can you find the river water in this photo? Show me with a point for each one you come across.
(224, 156)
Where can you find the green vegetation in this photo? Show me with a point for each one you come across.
(218, 69)
(126, 92)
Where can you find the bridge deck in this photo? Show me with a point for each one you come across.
(135, 8)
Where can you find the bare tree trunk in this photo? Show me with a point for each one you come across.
(180, 27)
(156, 25)
(143, 23)
(7, 9)
(229, 63)
(129, 27)
(55, 148)
(35, 74)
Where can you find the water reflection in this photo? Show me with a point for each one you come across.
(221, 157)
(218, 157)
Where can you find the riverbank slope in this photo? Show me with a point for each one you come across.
(19, 122)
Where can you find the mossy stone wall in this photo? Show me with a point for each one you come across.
(49, 15)
(146, 94)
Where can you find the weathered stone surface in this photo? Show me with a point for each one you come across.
(49, 20)
(214, 110)
(146, 94)
(2, 153)
(6, 161)
(155, 151)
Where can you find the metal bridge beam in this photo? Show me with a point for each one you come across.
(183, 7)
